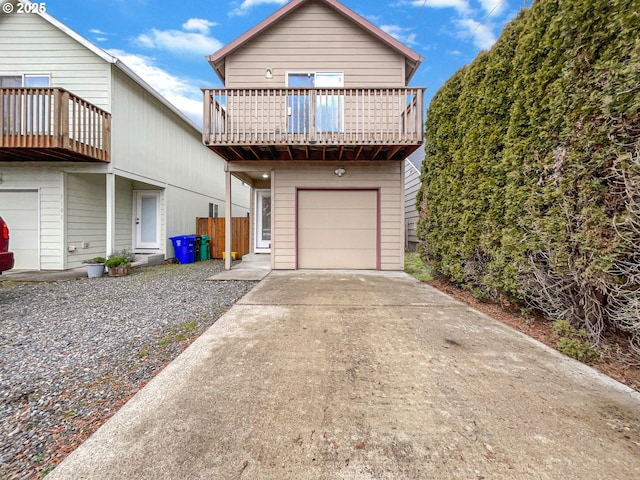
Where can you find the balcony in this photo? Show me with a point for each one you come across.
(52, 124)
(313, 124)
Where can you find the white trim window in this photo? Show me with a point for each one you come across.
(25, 114)
(326, 98)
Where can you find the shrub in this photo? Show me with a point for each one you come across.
(531, 178)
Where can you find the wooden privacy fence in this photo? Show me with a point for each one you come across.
(215, 228)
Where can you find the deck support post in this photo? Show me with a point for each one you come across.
(227, 220)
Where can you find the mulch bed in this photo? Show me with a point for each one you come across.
(617, 361)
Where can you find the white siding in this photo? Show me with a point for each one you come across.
(86, 217)
(49, 183)
(387, 177)
(151, 142)
(411, 187)
(315, 38)
(124, 214)
(29, 44)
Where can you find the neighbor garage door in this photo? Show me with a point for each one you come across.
(19, 208)
(337, 229)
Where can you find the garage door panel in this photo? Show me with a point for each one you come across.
(337, 229)
(317, 219)
(359, 259)
(338, 198)
(348, 239)
(20, 210)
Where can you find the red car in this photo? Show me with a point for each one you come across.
(6, 257)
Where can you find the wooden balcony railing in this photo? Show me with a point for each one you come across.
(313, 117)
(52, 124)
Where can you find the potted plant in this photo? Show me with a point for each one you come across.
(95, 267)
(118, 265)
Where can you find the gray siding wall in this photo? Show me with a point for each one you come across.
(31, 45)
(315, 38)
(86, 217)
(124, 214)
(411, 187)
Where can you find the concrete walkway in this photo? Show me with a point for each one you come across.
(366, 375)
(254, 266)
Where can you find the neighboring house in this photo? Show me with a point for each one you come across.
(317, 117)
(92, 159)
(412, 167)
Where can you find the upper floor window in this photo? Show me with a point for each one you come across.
(27, 80)
(328, 111)
(25, 113)
(315, 79)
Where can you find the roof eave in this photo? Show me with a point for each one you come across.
(217, 58)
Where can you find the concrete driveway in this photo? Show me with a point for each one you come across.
(366, 375)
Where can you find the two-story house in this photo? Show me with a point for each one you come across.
(92, 159)
(317, 117)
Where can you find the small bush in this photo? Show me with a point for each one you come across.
(113, 262)
(574, 343)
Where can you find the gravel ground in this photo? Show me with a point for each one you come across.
(71, 353)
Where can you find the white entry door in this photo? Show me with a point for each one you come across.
(263, 221)
(147, 219)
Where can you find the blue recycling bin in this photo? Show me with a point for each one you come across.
(184, 247)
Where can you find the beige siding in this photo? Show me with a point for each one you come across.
(412, 185)
(86, 217)
(314, 39)
(49, 183)
(31, 45)
(387, 177)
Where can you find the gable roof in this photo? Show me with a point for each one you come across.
(413, 59)
(112, 60)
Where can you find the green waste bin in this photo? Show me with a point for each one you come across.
(205, 249)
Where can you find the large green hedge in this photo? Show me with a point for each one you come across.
(531, 181)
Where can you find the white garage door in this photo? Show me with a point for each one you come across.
(19, 208)
(337, 229)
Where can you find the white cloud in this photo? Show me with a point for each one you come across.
(180, 92)
(199, 24)
(455, 53)
(247, 5)
(482, 34)
(460, 5)
(178, 41)
(401, 34)
(493, 7)
(97, 32)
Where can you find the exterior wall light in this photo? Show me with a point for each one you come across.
(265, 175)
(340, 171)
(269, 73)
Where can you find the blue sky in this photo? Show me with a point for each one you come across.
(165, 41)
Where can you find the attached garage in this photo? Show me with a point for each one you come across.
(19, 208)
(338, 229)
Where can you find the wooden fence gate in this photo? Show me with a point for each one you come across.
(215, 229)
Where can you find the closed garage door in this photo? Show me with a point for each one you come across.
(337, 229)
(19, 208)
